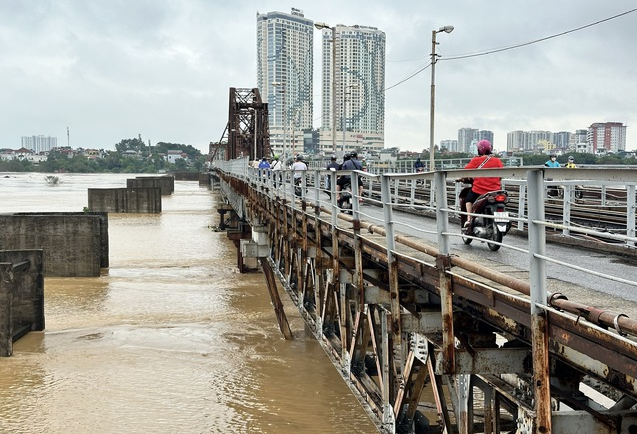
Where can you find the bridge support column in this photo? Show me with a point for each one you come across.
(539, 321)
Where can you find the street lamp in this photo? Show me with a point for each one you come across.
(321, 26)
(432, 150)
(284, 114)
(344, 119)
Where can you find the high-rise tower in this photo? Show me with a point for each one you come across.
(359, 88)
(284, 76)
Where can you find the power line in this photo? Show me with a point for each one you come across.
(498, 50)
(511, 47)
(408, 78)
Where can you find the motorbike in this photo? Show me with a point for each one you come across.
(420, 182)
(298, 187)
(495, 223)
(558, 191)
(345, 200)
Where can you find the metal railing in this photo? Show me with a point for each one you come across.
(394, 197)
(504, 294)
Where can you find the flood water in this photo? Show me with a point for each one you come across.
(169, 339)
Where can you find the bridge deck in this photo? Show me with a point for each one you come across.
(399, 317)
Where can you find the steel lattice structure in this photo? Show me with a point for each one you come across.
(247, 132)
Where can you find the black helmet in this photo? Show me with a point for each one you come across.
(353, 154)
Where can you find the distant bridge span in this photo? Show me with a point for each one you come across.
(399, 317)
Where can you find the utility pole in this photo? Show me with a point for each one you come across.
(321, 26)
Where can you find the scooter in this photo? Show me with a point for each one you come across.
(558, 191)
(298, 187)
(495, 223)
(345, 200)
(420, 182)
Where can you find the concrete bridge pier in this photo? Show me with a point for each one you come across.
(21, 296)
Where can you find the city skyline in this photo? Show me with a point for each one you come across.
(164, 70)
(352, 82)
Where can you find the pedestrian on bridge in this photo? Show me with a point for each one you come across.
(332, 165)
(344, 180)
(552, 161)
(276, 167)
(419, 166)
(571, 163)
(299, 168)
(264, 167)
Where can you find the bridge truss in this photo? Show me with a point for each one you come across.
(247, 133)
(400, 318)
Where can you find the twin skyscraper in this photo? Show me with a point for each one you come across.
(352, 89)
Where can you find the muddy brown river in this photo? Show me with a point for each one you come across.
(169, 339)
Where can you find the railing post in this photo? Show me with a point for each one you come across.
(602, 196)
(566, 208)
(442, 215)
(385, 192)
(630, 211)
(333, 194)
(355, 196)
(443, 264)
(539, 324)
(317, 187)
(521, 204)
(389, 421)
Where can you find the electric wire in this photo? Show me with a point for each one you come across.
(511, 47)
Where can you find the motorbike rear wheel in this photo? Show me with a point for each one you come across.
(462, 229)
(345, 204)
(497, 237)
(579, 193)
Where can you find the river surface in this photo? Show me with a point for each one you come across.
(171, 338)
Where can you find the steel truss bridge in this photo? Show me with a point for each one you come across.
(247, 133)
(403, 320)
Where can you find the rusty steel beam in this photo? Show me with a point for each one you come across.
(248, 129)
(438, 299)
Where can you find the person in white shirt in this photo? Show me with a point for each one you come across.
(276, 166)
(298, 166)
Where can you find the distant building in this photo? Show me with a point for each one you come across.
(580, 136)
(529, 141)
(449, 145)
(562, 140)
(516, 141)
(469, 137)
(173, 155)
(285, 76)
(39, 143)
(607, 137)
(359, 88)
(466, 136)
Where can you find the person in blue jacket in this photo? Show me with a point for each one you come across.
(264, 167)
(552, 161)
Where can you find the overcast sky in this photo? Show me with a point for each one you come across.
(115, 69)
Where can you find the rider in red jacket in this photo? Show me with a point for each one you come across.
(484, 160)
